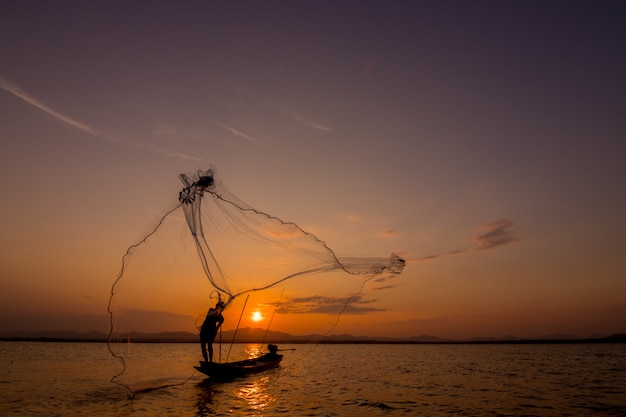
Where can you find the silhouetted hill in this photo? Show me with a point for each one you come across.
(250, 335)
(53, 335)
(428, 339)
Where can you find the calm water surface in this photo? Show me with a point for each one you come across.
(72, 379)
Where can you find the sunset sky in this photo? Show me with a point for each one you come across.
(483, 142)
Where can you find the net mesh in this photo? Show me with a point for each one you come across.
(165, 285)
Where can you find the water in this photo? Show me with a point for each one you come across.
(72, 379)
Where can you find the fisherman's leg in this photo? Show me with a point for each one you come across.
(203, 348)
(210, 352)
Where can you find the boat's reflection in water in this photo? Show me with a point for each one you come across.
(248, 394)
(204, 403)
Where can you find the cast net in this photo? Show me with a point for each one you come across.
(170, 278)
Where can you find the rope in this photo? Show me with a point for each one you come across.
(272, 318)
(237, 328)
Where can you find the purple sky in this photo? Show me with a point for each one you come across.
(482, 141)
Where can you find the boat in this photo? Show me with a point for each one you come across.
(230, 370)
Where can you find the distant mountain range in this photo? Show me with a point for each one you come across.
(250, 335)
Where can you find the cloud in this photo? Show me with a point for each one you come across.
(495, 234)
(307, 122)
(492, 235)
(18, 92)
(328, 305)
(384, 287)
(424, 258)
(388, 233)
(237, 132)
(384, 280)
(166, 131)
(274, 107)
(238, 88)
(350, 218)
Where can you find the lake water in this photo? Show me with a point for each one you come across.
(73, 379)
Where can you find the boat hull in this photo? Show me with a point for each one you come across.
(231, 370)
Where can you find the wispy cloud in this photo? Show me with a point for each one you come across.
(353, 218)
(384, 287)
(237, 132)
(165, 131)
(384, 282)
(21, 94)
(495, 234)
(491, 236)
(305, 122)
(388, 233)
(328, 305)
(18, 92)
(253, 97)
(238, 88)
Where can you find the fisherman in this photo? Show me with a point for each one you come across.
(208, 331)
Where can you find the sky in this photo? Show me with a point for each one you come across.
(483, 142)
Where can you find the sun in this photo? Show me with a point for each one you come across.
(257, 316)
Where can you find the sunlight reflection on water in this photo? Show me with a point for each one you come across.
(256, 394)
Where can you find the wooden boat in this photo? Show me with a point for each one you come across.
(230, 370)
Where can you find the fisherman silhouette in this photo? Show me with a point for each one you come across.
(208, 331)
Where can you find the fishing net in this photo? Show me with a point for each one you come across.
(170, 277)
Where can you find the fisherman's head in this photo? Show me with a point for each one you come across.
(220, 305)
